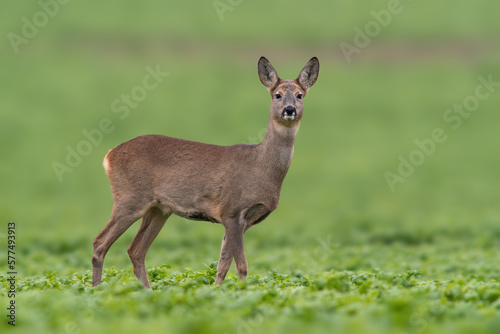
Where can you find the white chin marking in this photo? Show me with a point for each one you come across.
(288, 118)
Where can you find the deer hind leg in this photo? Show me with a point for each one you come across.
(152, 223)
(226, 257)
(122, 217)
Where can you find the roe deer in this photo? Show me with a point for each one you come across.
(237, 186)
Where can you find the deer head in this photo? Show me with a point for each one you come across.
(287, 95)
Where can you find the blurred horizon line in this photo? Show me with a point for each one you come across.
(377, 51)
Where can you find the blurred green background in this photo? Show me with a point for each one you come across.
(360, 116)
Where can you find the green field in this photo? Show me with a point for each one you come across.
(345, 252)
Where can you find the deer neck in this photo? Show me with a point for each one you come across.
(276, 150)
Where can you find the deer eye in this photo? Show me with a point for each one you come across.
(278, 96)
(299, 96)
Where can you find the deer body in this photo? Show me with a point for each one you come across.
(237, 186)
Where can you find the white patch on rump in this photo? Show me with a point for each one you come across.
(105, 163)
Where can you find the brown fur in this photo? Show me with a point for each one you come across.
(237, 186)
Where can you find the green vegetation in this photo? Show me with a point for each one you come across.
(343, 252)
(453, 288)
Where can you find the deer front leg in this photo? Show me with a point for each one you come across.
(234, 239)
(226, 257)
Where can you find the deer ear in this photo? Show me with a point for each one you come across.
(309, 73)
(267, 73)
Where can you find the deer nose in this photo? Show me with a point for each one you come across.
(289, 111)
